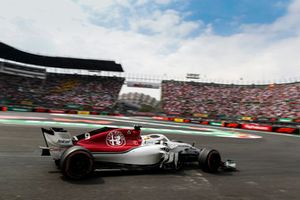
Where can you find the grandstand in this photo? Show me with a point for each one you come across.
(81, 92)
(26, 81)
(12, 54)
(221, 100)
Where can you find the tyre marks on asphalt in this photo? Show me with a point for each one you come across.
(194, 178)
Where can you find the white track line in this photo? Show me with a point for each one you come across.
(137, 121)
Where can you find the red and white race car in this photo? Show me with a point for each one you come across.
(121, 148)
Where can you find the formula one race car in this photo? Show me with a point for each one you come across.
(119, 148)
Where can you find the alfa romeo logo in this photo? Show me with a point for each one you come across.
(115, 139)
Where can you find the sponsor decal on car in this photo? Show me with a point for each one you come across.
(115, 139)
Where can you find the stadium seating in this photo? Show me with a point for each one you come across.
(20, 90)
(78, 92)
(90, 92)
(59, 91)
(276, 100)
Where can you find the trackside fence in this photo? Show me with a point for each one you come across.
(285, 129)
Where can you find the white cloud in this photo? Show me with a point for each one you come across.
(161, 2)
(167, 23)
(62, 27)
(98, 5)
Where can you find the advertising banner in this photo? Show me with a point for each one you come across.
(285, 119)
(288, 130)
(247, 118)
(40, 110)
(12, 108)
(171, 118)
(257, 127)
(56, 111)
(143, 84)
(178, 120)
(232, 125)
(94, 113)
(195, 121)
(72, 111)
(4, 108)
(160, 118)
(216, 123)
(83, 112)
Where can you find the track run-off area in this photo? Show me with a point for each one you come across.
(268, 163)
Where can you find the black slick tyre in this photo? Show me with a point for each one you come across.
(209, 160)
(77, 163)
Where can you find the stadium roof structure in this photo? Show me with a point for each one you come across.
(10, 53)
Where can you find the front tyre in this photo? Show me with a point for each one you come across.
(77, 163)
(209, 160)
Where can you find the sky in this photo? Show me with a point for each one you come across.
(252, 41)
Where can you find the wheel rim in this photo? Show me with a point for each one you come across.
(79, 165)
(213, 161)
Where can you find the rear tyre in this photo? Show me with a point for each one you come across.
(209, 160)
(77, 163)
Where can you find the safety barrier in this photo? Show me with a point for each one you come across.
(18, 109)
(237, 125)
(4, 108)
(257, 127)
(94, 113)
(178, 120)
(161, 118)
(288, 130)
(232, 125)
(83, 112)
(72, 112)
(42, 110)
(56, 111)
(216, 123)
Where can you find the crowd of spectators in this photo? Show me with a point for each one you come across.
(188, 98)
(20, 89)
(59, 91)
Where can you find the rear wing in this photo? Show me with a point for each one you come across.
(55, 139)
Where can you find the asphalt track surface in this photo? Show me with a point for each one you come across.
(268, 167)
